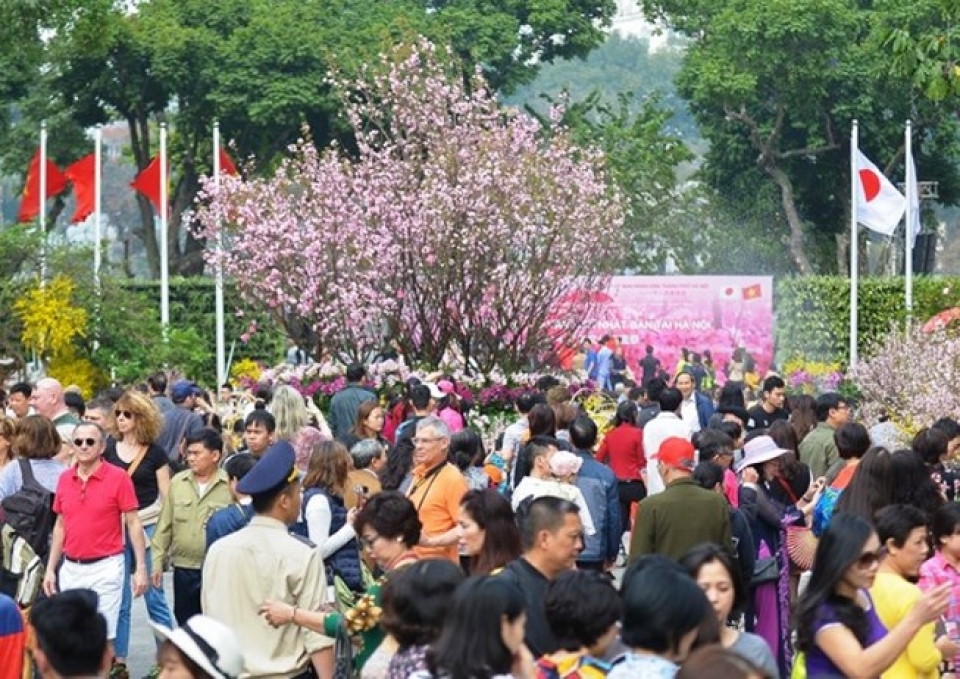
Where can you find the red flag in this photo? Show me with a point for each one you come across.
(752, 291)
(148, 183)
(82, 174)
(226, 165)
(56, 183)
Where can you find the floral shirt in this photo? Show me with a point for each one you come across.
(571, 666)
(634, 665)
(407, 661)
(937, 571)
(947, 480)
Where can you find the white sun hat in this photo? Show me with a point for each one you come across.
(209, 643)
(760, 449)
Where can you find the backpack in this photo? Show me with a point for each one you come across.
(22, 572)
(29, 511)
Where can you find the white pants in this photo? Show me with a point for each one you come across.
(103, 577)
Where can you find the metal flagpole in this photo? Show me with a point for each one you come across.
(97, 205)
(911, 189)
(164, 254)
(97, 235)
(41, 200)
(854, 244)
(221, 335)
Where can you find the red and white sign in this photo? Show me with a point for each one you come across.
(715, 313)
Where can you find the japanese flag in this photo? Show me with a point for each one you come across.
(879, 205)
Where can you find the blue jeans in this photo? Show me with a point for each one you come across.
(157, 607)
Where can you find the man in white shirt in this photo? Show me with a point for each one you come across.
(696, 408)
(668, 424)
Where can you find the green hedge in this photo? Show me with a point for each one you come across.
(193, 305)
(813, 313)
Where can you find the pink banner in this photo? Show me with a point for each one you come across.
(714, 313)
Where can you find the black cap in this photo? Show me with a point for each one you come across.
(276, 466)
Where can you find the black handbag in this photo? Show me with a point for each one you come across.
(765, 570)
(343, 653)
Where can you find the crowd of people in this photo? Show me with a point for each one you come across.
(697, 534)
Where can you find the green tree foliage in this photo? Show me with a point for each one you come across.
(774, 86)
(621, 99)
(642, 159)
(259, 66)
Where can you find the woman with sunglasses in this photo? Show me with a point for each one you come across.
(837, 625)
(137, 424)
(389, 528)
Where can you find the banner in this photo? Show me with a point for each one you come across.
(670, 313)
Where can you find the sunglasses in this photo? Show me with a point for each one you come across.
(89, 443)
(126, 414)
(868, 560)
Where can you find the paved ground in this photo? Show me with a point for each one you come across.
(143, 649)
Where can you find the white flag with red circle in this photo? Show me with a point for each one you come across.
(880, 206)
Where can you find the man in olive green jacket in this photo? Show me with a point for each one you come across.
(683, 515)
(181, 532)
(818, 449)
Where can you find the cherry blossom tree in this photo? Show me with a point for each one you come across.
(457, 225)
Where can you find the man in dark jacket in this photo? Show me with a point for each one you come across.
(599, 486)
(683, 515)
(551, 534)
(344, 404)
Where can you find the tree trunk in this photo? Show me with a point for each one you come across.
(139, 125)
(793, 218)
(189, 261)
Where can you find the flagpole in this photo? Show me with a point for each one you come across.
(221, 334)
(854, 245)
(164, 254)
(97, 205)
(908, 230)
(41, 201)
(97, 235)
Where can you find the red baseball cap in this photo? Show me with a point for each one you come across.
(678, 453)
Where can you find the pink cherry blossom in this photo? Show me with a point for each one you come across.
(457, 227)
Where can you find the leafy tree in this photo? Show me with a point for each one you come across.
(256, 65)
(458, 226)
(775, 86)
(642, 159)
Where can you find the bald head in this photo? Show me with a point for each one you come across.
(47, 398)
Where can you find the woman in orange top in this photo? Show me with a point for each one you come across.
(623, 447)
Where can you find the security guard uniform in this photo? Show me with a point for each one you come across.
(263, 561)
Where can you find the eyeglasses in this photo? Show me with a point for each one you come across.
(369, 540)
(418, 441)
(89, 443)
(126, 414)
(868, 560)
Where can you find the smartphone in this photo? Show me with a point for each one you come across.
(361, 492)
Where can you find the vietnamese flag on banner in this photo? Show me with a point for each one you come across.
(30, 201)
(226, 164)
(754, 291)
(82, 174)
(148, 183)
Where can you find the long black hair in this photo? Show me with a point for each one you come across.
(914, 484)
(471, 644)
(839, 548)
(871, 488)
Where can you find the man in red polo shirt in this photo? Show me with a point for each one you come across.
(93, 500)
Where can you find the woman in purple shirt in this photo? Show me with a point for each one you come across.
(837, 626)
